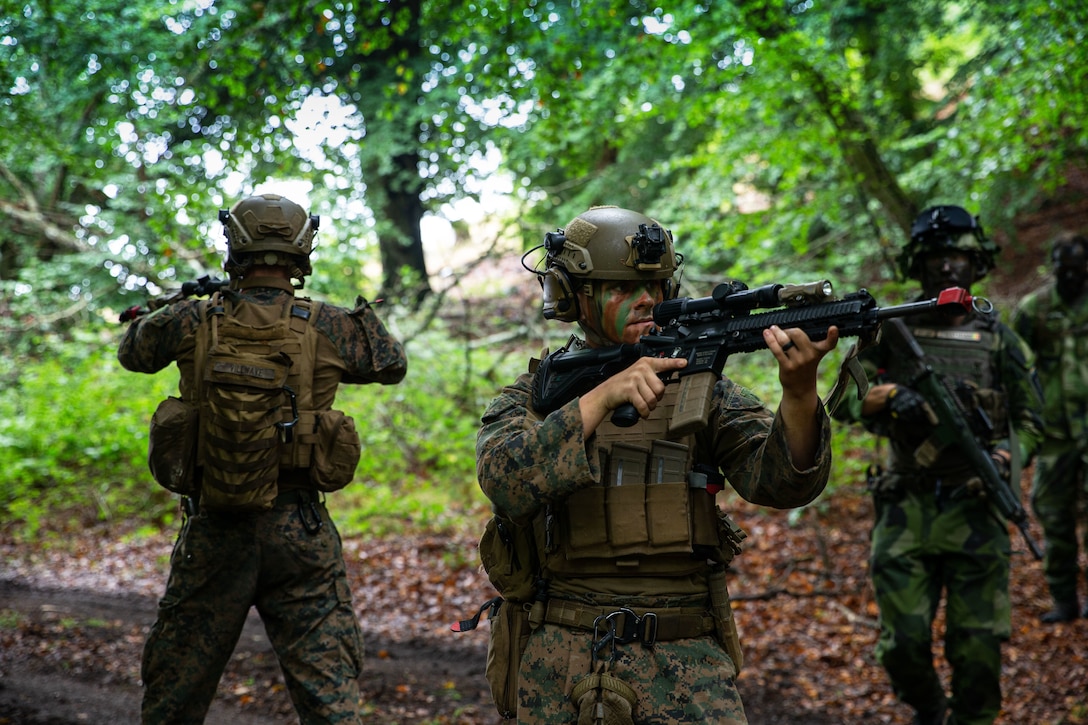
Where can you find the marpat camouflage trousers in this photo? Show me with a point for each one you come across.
(685, 681)
(220, 567)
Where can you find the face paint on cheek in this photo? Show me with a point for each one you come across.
(615, 313)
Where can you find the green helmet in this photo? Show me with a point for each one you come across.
(603, 243)
(941, 228)
(268, 229)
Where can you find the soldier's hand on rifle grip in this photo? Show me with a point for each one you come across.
(641, 385)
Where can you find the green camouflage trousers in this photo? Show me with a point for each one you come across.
(683, 681)
(1058, 497)
(220, 567)
(922, 546)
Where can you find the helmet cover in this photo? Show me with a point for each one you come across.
(610, 243)
(272, 224)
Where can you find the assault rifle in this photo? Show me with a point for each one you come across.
(205, 285)
(966, 431)
(707, 330)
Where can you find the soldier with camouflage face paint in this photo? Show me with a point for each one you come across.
(1053, 320)
(631, 543)
(285, 558)
(932, 533)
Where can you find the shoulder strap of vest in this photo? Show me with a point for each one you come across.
(208, 311)
(303, 322)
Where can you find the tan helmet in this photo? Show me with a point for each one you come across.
(603, 243)
(269, 224)
(945, 227)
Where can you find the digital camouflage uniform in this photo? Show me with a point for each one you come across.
(280, 560)
(932, 536)
(531, 466)
(1057, 333)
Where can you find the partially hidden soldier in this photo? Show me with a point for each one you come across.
(630, 621)
(933, 532)
(1053, 320)
(252, 443)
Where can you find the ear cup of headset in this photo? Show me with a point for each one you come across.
(560, 302)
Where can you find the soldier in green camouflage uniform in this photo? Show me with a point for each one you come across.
(621, 542)
(286, 561)
(1053, 320)
(932, 533)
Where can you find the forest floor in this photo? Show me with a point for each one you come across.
(74, 614)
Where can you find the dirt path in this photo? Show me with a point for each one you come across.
(76, 661)
(74, 613)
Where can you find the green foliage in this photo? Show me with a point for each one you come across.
(73, 429)
(73, 436)
(780, 142)
(767, 136)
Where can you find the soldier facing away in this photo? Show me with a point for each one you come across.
(933, 533)
(252, 444)
(631, 622)
(1053, 320)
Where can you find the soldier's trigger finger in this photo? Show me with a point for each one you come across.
(664, 364)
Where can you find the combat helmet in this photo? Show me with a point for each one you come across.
(947, 227)
(604, 243)
(268, 229)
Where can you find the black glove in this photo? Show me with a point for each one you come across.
(908, 406)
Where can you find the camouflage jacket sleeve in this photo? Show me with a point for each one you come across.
(151, 342)
(1057, 334)
(369, 352)
(524, 461)
(748, 442)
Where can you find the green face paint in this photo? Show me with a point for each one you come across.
(623, 310)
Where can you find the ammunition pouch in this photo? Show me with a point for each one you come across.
(884, 485)
(508, 554)
(635, 528)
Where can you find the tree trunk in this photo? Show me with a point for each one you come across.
(404, 269)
